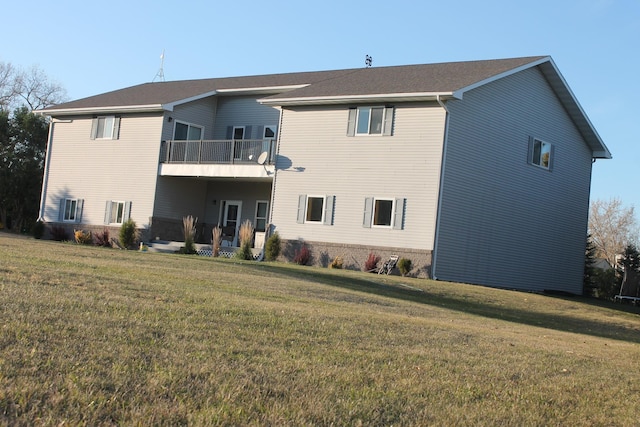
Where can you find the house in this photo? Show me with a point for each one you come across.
(478, 172)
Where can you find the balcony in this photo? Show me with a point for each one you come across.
(240, 158)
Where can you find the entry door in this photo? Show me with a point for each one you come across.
(231, 217)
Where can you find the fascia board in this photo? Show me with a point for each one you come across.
(101, 110)
(347, 99)
(171, 105)
(460, 92)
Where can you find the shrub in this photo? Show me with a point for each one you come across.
(337, 263)
(606, 284)
(216, 241)
(302, 256)
(246, 236)
(371, 263)
(128, 234)
(59, 233)
(37, 231)
(272, 248)
(189, 226)
(404, 265)
(101, 238)
(82, 237)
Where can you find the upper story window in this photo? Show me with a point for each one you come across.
(373, 120)
(540, 153)
(269, 132)
(105, 127)
(187, 132)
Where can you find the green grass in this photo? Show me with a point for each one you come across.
(93, 336)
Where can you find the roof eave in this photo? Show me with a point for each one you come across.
(101, 110)
(351, 99)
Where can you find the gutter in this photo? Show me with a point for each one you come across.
(434, 254)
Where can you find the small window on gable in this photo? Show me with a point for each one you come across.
(70, 210)
(105, 127)
(383, 213)
(370, 121)
(540, 153)
(117, 212)
(315, 209)
(270, 132)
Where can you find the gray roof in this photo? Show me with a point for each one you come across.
(398, 83)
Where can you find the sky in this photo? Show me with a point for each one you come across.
(94, 47)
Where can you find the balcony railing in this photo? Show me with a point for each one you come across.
(230, 151)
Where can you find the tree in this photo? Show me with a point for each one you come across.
(612, 227)
(30, 88)
(23, 139)
(588, 283)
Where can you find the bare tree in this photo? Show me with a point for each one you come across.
(30, 88)
(8, 77)
(612, 227)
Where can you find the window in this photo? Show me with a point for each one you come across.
(117, 212)
(262, 209)
(70, 210)
(106, 127)
(383, 213)
(315, 209)
(269, 132)
(370, 121)
(238, 132)
(540, 153)
(187, 132)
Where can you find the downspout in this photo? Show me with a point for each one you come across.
(45, 178)
(434, 254)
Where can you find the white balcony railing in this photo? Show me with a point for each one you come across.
(230, 151)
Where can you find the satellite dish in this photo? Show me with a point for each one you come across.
(263, 158)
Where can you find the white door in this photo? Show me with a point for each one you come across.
(231, 218)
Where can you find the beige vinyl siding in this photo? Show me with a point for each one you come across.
(504, 222)
(124, 169)
(317, 158)
(243, 111)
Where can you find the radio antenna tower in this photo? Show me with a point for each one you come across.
(160, 74)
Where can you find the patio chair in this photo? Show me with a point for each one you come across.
(389, 265)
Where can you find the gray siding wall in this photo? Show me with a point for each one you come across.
(504, 222)
(316, 157)
(201, 112)
(243, 111)
(247, 193)
(124, 169)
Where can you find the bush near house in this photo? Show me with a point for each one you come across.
(59, 233)
(404, 265)
(302, 255)
(128, 234)
(273, 247)
(246, 236)
(82, 237)
(102, 238)
(337, 263)
(372, 262)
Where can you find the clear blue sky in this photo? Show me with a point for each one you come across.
(93, 47)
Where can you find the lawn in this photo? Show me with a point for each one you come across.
(94, 336)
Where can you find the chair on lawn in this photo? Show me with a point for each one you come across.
(389, 265)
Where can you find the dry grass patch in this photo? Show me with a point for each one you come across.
(93, 336)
